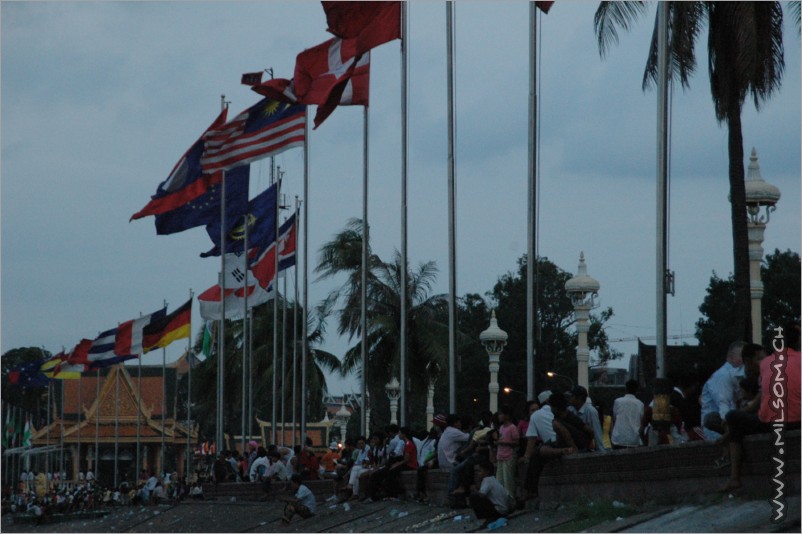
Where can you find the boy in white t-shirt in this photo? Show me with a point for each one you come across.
(492, 501)
(302, 502)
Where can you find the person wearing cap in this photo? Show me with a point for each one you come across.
(584, 409)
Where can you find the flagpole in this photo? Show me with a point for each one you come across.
(249, 315)
(306, 279)
(164, 401)
(78, 424)
(61, 439)
(404, 159)
(222, 339)
(283, 353)
(97, 427)
(138, 414)
(274, 420)
(531, 259)
(452, 248)
(244, 334)
(295, 336)
(662, 181)
(47, 438)
(116, 420)
(363, 319)
(189, 403)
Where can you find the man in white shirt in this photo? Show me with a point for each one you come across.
(301, 503)
(541, 444)
(584, 409)
(627, 417)
(450, 442)
(720, 392)
(492, 500)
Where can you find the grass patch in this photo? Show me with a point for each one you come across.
(589, 513)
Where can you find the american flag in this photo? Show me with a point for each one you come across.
(265, 129)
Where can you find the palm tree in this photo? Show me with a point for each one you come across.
(204, 380)
(745, 57)
(426, 333)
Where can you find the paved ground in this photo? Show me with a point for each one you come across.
(717, 513)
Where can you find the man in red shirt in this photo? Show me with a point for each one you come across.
(779, 398)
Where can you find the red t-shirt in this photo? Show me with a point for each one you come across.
(774, 381)
(412, 452)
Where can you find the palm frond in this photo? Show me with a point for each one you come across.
(610, 16)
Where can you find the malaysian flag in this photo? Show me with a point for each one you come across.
(267, 128)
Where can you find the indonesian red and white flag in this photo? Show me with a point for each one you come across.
(211, 308)
(331, 74)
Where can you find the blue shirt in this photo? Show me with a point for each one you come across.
(720, 394)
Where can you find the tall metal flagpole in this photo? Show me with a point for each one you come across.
(363, 319)
(404, 158)
(274, 419)
(164, 401)
(97, 427)
(452, 246)
(295, 334)
(222, 340)
(116, 420)
(244, 336)
(662, 192)
(531, 259)
(138, 416)
(188, 472)
(306, 279)
(78, 424)
(61, 456)
(283, 354)
(249, 315)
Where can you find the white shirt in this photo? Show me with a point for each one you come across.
(254, 470)
(541, 424)
(450, 442)
(424, 448)
(590, 416)
(306, 497)
(627, 414)
(279, 470)
(396, 446)
(493, 490)
(720, 393)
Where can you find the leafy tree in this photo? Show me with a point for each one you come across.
(718, 326)
(745, 57)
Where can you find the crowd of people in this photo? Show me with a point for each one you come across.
(493, 464)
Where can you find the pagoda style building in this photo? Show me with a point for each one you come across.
(103, 412)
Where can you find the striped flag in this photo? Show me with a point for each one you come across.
(265, 129)
(102, 354)
(129, 334)
(172, 327)
(264, 267)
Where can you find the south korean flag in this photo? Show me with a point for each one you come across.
(236, 269)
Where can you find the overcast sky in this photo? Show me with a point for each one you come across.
(100, 99)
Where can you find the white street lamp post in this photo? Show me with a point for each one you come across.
(342, 416)
(432, 369)
(582, 289)
(759, 193)
(393, 389)
(494, 339)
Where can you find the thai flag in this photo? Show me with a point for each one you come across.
(102, 354)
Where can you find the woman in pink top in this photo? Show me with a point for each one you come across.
(508, 441)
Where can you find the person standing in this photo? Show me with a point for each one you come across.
(627, 416)
(506, 446)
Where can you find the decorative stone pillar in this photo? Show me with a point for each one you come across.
(393, 389)
(494, 339)
(759, 193)
(582, 289)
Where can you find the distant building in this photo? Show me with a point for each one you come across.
(607, 376)
(679, 359)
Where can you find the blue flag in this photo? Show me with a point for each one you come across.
(261, 220)
(205, 209)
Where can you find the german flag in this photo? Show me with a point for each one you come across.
(172, 327)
